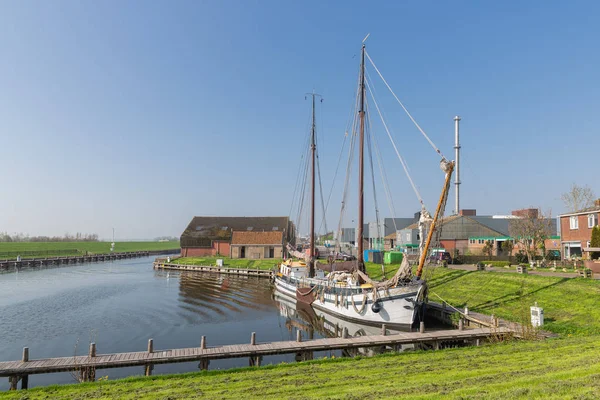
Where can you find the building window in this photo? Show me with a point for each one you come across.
(592, 220)
(480, 241)
(408, 237)
(574, 222)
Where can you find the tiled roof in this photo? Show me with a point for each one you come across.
(248, 237)
(584, 211)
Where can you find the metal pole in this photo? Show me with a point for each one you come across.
(457, 167)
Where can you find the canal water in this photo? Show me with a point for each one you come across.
(120, 304)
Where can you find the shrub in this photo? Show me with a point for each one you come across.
(521, 257)
(595, 242)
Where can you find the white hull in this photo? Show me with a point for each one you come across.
(399, 305)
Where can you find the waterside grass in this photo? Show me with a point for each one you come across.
(265, 264)
(552, 369)
(53, 249)
(570, 304)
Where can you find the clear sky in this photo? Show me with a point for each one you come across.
(139, 115)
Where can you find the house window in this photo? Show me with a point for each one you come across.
(574, 222)
(408, 237)
(480, 241)
(592, 220)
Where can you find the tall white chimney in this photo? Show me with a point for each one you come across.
(457, 158)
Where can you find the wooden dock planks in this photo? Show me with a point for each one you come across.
(41, 366)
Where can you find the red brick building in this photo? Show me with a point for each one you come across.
(576, 230)
(212, 236)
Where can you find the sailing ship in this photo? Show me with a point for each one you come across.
(343, 289)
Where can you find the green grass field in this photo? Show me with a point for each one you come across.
(53, 249)
(268, 263)
(571, 305)
(553, 369)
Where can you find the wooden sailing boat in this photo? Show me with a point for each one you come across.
(347, 292)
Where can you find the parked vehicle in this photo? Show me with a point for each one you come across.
(439, 257)
(339, 255)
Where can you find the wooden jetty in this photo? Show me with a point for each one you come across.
(86, 366)
(65, 260)
(161, 264)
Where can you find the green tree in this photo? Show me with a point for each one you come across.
(488, 248)
(595, 242)
(508, 247)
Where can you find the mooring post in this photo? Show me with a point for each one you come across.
(345, 333)
(466, 310)
(492, 319)
(92, 349)
(253, 338)
(383, 330)
(461, 324)
(14, 379)
(25, 378)
(203, 343)
(422, 327)
(203, 364)
(148, 370)
(150, 346)
(298, 335)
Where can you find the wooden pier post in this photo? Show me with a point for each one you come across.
(14, 380)
(345, 333)
(25, 378)
(203, 343)
(92, 349)
(203, 365)
(298, 335)
(422, 327)
(148, 370)
(253, 338)
(150, 346)
(461, 324)
(383, 330)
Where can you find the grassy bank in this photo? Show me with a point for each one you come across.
(268, 263)
(53, 249)
(559, 368)
(571, 305)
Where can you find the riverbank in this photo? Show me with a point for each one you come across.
(557, 368)
(53, 249)
(264, 264)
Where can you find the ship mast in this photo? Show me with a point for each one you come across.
(361, 166)
(313, 148)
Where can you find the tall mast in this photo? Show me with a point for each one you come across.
(361, 164)
(313, 147)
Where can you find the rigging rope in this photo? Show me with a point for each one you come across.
(321, 192)
(412, 183)
(369, 138)
(404, 108)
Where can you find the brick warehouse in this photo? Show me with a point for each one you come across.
(212, 236)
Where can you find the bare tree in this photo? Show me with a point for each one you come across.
(578, 198)
(530, 231)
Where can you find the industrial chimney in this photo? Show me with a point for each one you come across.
(457, 158)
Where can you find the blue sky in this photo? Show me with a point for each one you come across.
(139, 115)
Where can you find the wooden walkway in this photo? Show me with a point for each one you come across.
(65, 260)
(267, 273)
(19, 370)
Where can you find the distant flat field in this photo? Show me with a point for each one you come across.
(53, 249)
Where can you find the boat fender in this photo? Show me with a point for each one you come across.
(376, 307)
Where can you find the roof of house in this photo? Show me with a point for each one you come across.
(581, 212)
(461, 227)
(393, 235)
(262, 238)
(202, 229)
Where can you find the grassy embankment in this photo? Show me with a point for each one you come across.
(54, 249)
(559, 368)
(265, 263)
(568, 367)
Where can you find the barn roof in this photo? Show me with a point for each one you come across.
(249, 237)
(203, 229)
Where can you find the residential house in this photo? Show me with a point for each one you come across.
(576, 230)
